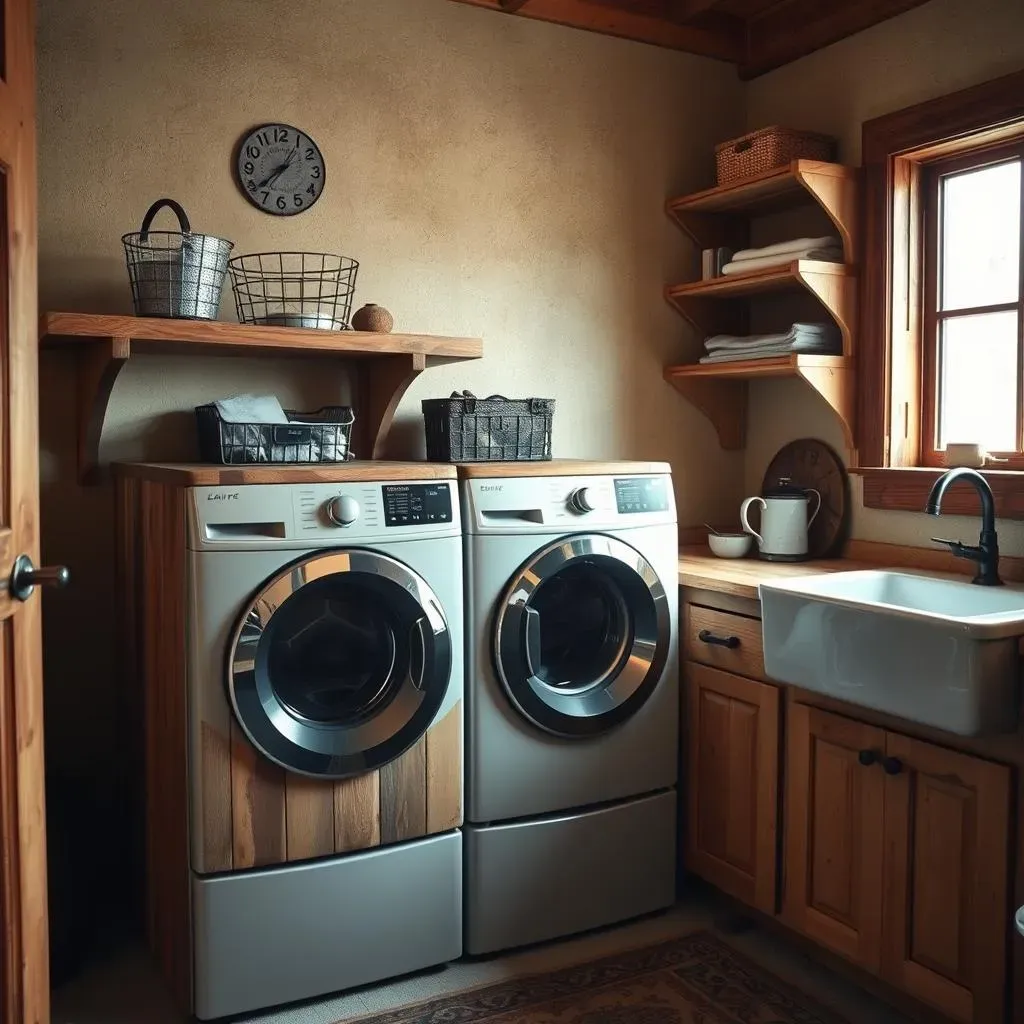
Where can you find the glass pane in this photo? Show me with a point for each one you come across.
(336, 649)
(584, 624)
(981, 237)
(979, 380)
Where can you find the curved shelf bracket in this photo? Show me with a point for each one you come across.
(837, 385)
(838, 294)
(99, 366)
(837, 195)
(384, 381)
(723, 402)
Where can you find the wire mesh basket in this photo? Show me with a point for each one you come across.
(465, 428)
(320, 436)
(294, 289)
(176, 274)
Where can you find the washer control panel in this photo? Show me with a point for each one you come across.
(416, 504)
(635, 494)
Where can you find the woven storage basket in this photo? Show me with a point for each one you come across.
(465, 428)
(767, 148)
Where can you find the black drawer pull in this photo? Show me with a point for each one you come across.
(868, 757)
(892, 765)
(706, 636)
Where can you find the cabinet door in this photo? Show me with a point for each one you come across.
(732, 783)
(832, 881)
(946, 906)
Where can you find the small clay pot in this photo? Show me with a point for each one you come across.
(373, 318)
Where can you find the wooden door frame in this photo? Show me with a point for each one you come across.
(24, 955)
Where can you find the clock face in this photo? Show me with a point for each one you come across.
(281, 169)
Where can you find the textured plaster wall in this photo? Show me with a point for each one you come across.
(496, 177)
(930, 51)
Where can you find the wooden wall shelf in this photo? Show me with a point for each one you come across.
(385, 364)
(721, 215)
(832, 284)
(719, 390)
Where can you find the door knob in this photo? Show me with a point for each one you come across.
(25, 577)
(867, 757)
(892, 765)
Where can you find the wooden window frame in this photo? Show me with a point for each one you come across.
(933, 176)
(896, 149)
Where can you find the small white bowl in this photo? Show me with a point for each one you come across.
(730, 545)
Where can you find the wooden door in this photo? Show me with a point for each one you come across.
(947, 915)
(834, 814)
(24, 985)
(732, 727)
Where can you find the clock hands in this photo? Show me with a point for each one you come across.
(278, 171)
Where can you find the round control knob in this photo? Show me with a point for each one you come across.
(343, 510)
(581, 501)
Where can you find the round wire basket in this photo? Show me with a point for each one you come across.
(294, 289)
(176, 274)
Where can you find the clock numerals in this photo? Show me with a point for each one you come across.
(280, 169)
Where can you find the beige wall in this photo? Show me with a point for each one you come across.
(936, 49)
(495, 176)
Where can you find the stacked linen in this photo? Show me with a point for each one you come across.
(816, 339)
(827, 248)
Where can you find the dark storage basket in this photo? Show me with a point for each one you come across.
(464, 428)
(321, 436)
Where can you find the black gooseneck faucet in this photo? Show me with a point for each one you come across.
(986, 554)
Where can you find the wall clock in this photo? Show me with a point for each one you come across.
(280, 169)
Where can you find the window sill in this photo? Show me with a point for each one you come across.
(906, 490)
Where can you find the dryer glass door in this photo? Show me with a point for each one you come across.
(340, 663)
(582, 635)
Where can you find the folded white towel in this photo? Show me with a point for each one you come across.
(807, 347)
(792, 245)
(809, 332)
(781, 259)
(251, 409)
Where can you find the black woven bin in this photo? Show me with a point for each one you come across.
(465, 428)
(320, 436)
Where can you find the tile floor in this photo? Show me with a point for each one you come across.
(122, 987)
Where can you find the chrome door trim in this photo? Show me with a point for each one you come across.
(395, 723)
(606, 702)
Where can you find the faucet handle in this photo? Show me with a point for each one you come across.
(956, 546)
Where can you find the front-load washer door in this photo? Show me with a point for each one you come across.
(340, 663)
(581, 635)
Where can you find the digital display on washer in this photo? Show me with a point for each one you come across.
(641, 494)
(415, 504)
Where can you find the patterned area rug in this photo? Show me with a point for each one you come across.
(694, 980)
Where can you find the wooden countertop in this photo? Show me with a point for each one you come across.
(740, 577)
(560, 467)
(199, 475)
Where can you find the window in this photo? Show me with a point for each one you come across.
(973, 380)
(941, 347)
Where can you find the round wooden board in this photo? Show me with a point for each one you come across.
(808, 463)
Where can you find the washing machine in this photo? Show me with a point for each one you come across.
(324, 690)
(572, 698)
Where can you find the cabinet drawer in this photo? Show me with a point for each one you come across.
(723, 640)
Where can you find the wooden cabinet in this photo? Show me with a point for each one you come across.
(947, 835)
(896, 857)
(833, 833)
(732, 815)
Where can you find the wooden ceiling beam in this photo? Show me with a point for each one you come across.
(723, 42)
(794, 28)
(684, 10)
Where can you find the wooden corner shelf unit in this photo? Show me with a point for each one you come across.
(721, 217)
(384, 364)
